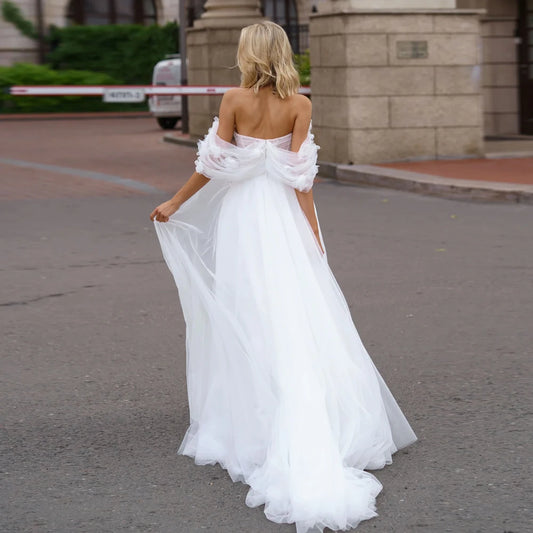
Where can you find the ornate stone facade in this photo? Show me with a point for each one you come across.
(370, 103)
(407, 84)
(16, 48)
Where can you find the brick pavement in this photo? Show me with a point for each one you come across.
(27, 183)
(126, 148)
(518, 170)
(75, 116)
(123, 148)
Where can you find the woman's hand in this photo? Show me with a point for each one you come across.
(163, 211)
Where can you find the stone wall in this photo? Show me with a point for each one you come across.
(304, 10)
(371, 5)
(168, 11)
(500, 69)
(500, 65)
(371, 106)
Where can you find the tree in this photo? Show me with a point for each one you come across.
(11, 13)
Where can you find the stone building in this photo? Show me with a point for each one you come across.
(507, 65)
(420, 79)
(391, 79)
(16, 48)
(293, 15)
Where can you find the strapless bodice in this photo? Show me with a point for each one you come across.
(252, 157)
(283, 142)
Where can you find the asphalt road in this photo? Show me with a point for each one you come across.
(93, 401)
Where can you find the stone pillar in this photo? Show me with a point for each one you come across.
(396, 80)
(501, 87)
(212, 54)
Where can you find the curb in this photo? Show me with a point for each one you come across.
(402, 180)
(509, 155)
(183, 141)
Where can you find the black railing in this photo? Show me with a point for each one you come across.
(298, 36)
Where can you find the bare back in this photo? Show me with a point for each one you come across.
(264, 115)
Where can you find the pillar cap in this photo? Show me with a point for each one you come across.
(375, 5)
(347, 11)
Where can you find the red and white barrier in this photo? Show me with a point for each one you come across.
(136, 91)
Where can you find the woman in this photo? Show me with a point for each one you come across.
(282, 392)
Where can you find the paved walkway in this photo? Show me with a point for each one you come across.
(93, 157)
(73, 116)
(506, 161)
(492, 170)
(109, 157)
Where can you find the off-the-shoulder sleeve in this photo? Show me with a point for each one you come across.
(219, 159)
(297, 169)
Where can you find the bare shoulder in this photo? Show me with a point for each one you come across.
(231, 97)
(302, 100)
(301, 107)
(229, 103)
(234, 92)
(302, 120)
(234, 95)
(226, 114)
(302, 103)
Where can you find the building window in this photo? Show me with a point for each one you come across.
(98, 12)
(284, 13)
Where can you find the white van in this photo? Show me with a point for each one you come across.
(167, 108)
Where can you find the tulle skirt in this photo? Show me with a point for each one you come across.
(282, 392)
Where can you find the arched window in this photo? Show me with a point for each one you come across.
(98, 12)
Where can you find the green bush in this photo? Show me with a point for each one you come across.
(29, 74)
(128, 53)
(303, 66)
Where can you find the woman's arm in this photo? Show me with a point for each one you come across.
(301, 122)
(307, 204)
(163, 211)
(226, 123)
(299, 134)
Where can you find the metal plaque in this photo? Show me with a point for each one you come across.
(411, 49)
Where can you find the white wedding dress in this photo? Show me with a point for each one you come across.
(282, 392)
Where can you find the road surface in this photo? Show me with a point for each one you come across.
(93, 399)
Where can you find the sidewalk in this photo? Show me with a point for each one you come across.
(5, 117)
(505, 174)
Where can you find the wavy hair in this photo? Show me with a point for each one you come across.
(265, 58)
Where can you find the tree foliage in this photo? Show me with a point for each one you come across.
(303, 66)
(11, 13)
(128, 53)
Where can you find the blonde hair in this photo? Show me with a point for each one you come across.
(265, 58)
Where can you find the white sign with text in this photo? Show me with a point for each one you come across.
(123, 95)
